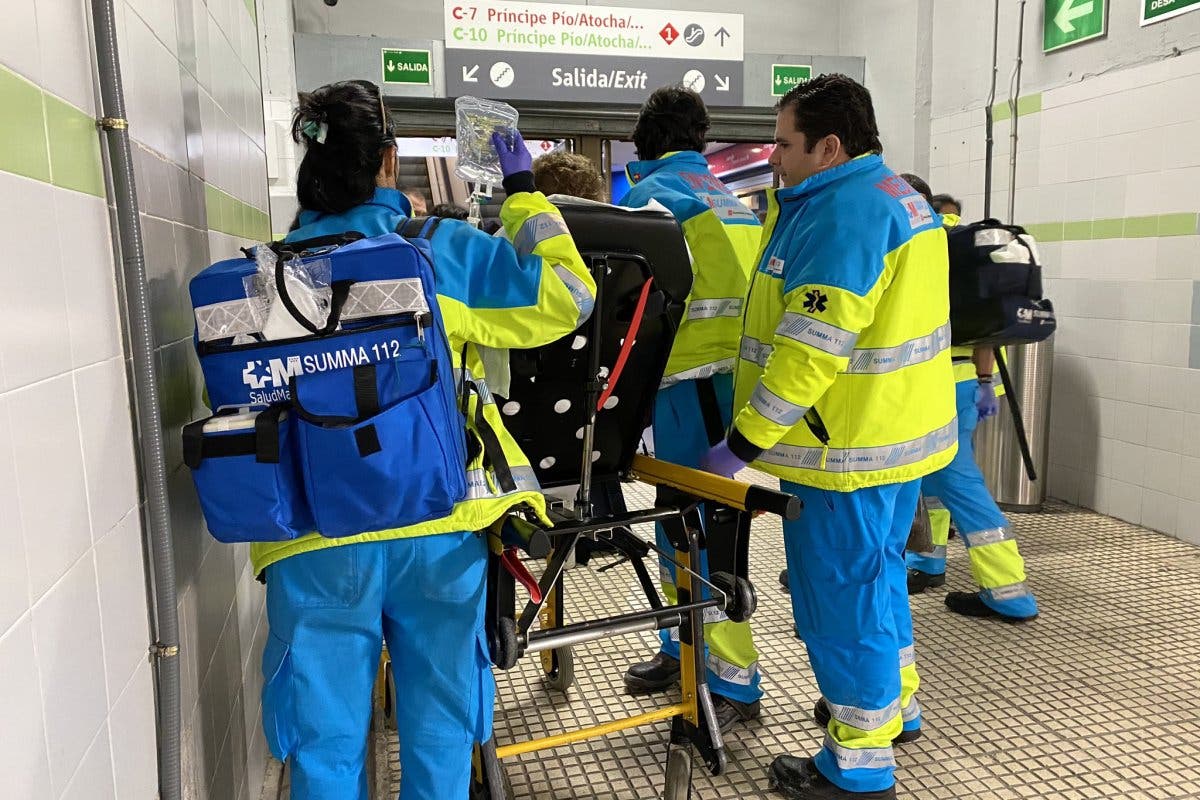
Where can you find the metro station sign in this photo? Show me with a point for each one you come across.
(547, 51)
(1159, 10)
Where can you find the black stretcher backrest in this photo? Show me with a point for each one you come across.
(546, 410)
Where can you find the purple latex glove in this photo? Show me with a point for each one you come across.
(514, 158)
(986, 402)
(720, 460)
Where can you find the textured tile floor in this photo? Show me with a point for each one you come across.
(1098, 698)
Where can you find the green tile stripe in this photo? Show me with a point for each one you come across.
(1122, 228)
(1028, 104)
(253, 11)
(229, 215)
(48, 139)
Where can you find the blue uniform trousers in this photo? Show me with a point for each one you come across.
(329, 612)
(991, 544)
(681, 438)
(845, 557)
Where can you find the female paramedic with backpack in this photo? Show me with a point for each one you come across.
(332, 602)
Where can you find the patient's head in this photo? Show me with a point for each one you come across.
(568, 173)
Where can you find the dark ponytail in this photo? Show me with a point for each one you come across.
(345, 130)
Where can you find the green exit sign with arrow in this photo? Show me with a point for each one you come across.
(1068, 22)
(784, 77)
(406, 66)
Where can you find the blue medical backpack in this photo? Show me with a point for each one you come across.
(353, 427)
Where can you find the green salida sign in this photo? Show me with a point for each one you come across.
(406, 66)
(786, 76)
(1068, 22)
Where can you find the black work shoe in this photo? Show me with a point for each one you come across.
(731, 712)
(783, 581)
(655, 675)
(970, 604)
(822, 715)
(799, 779)
(920, 581)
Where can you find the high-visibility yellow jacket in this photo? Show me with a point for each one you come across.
(492, 294)
(844, 373)
(723, 237)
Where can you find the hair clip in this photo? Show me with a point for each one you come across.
(316, 131)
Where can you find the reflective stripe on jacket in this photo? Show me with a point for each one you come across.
(490, 293)
(722, 235)
(844, 369)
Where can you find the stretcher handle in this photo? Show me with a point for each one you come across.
(706, 486)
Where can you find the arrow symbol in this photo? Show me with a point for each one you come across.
(723, 34)
(1068, 12)
(469, 74)
(722, 83)
(778, 80)
(391, 65)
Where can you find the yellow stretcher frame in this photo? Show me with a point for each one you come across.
(693, 720)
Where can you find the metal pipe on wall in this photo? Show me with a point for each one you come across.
(165, 648)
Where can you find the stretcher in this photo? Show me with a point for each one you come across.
(578, 408)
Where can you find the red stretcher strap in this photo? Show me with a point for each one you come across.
(626, 346)
(512, 562)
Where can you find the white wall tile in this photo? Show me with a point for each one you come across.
(1132, 422)
(1081, 161)
(1132, 382)
(1171, 344)
(1178, 258)
(50, 482)
(14, 570)
(106, 430)
(94, 779)
(62, 34)
(123, 602)
(1179, 144)
(1162, 473)
(90, 278)
(1129, 463)
(1169, 387)
(1109, 198)
(160, 18)
(34, 344)
(23, 760)
(19, 41)
(1160, 511)
(1125, 501)
(1191, 435)
(1189, 478)
(132, 726)
(1163, 429)
(1188, 528)
(66, 628)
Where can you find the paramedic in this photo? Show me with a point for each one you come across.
(958, 491)
(692, 409)
(946, 204)
(331, 602)
(841, 393)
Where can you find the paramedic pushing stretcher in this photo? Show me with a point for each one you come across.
(692, 407)
(332, 602)
(842, 391)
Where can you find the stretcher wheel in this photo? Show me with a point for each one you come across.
(679, 773)
(505, 652)
(561, 674)
(389, 697)
(743, 600)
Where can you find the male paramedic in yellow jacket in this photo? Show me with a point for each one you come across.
(842, 390)
(692, 408)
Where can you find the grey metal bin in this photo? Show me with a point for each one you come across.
(996, 449)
